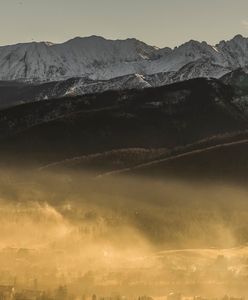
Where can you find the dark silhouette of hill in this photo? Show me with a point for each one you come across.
(120, 122)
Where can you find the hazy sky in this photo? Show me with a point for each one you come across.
(157, 22)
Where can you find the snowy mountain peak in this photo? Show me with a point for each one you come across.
(98, 58)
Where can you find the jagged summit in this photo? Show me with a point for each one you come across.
(102, 59)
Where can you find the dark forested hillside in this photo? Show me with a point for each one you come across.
(117, 124)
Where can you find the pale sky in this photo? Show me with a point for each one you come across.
(156, 22)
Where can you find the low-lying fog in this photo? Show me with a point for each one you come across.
(126, 234)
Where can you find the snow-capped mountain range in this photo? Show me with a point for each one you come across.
(100, 59)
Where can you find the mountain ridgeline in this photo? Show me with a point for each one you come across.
(102, 59)
(39, 71)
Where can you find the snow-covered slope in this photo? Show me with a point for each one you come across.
(101, 59)
(92, 56)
